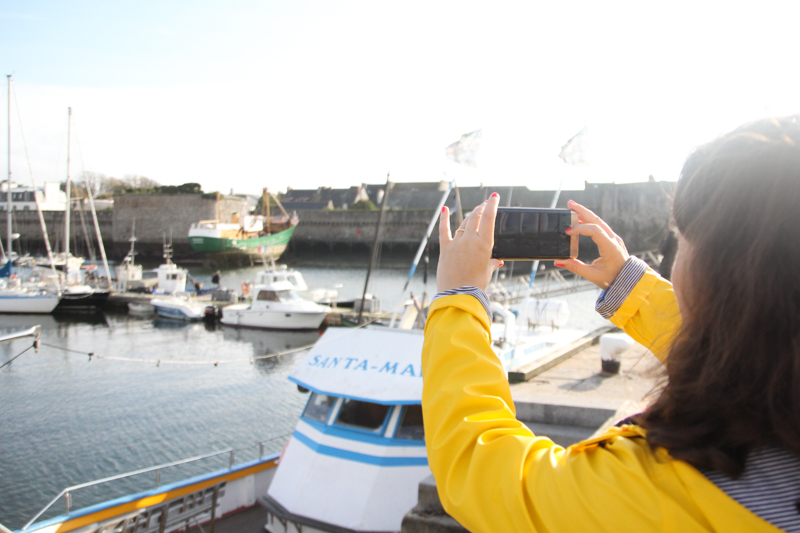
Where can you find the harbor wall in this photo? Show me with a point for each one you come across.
(638, 212)
(26, 223)
(165, 216)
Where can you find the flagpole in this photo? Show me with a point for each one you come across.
(428, 234)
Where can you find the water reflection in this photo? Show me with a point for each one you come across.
(273, 344)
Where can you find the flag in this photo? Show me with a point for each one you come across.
(465, 150)
(574, 152)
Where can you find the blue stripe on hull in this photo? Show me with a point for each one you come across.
(360, 457)
(174, 313)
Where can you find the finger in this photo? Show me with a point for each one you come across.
(460, 231)
(605, 243)
(587, 216)
(486, 227)
(578, 267)
(474, 218)
(444, 227)
(495, 264)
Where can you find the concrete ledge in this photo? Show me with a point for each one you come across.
(526, 372)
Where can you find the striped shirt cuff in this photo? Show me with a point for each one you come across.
(482, 297)
(611, 299)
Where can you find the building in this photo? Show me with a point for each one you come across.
(51, 197)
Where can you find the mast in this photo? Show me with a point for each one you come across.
(8, 183)
(375, 246)
(97, 230)
(266, 206)
(69, 186)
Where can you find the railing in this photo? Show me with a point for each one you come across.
(34, 332)
(547, 284)
(157, 469)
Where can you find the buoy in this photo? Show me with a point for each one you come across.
(245, 288)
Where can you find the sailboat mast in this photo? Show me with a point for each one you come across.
(8, 183)
(66, 211)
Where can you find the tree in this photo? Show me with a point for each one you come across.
(363, 205)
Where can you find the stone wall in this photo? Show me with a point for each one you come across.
(639, 212)
(158, 214)
(26, 223)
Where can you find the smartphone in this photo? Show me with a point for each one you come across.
(530, 233)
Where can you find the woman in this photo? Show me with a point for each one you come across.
(719, 450)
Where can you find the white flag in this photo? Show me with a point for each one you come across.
(574, 152)
(465, 150)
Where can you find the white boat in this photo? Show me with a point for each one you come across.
(273, 273)
(128, 273)
(275, 306)
(171, 277)
(180, 306)
(141, 309)
(16, 298)
(357, 455)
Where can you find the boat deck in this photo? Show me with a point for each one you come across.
(249, 520)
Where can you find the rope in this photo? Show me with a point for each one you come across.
(217, 362)
(20, 353)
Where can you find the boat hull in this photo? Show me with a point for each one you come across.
(178, 311)
(28, 304)
(273, 245)
(247, 318)
(88, 300)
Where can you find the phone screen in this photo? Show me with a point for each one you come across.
(525, 233)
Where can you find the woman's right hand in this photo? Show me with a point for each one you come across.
(613, 255)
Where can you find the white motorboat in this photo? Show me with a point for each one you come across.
(180, 306)
(275, 306)
(140, 309)
(273, 273)
(128, 273)
(171, 277)
(16, 298)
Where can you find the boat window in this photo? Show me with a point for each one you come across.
(319, 407)
(410, 427)
(269, 296)
(362, 415)
(288, 295)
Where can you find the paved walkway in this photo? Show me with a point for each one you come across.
(580, 381)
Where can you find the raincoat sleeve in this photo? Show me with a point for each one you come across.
(649, 314)
(492, 472)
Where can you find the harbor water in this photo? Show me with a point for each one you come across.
(156, 390)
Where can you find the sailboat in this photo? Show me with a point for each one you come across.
(15, 297)
(76, 293)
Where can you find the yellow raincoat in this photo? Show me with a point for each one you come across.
(493, 474)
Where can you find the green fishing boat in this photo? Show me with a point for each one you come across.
(264, 235)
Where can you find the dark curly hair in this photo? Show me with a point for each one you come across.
(734, 368)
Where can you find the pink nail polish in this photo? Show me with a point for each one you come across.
(495, 195)
(558, 263)
(444, 209)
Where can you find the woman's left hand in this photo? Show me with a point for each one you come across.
(465, 259)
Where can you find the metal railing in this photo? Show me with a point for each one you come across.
(157, 469)
(34, 332)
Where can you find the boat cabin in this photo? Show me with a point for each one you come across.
(171, 278)
(357, 455)
(282, 274)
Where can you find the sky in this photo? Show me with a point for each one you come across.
(247, 94)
